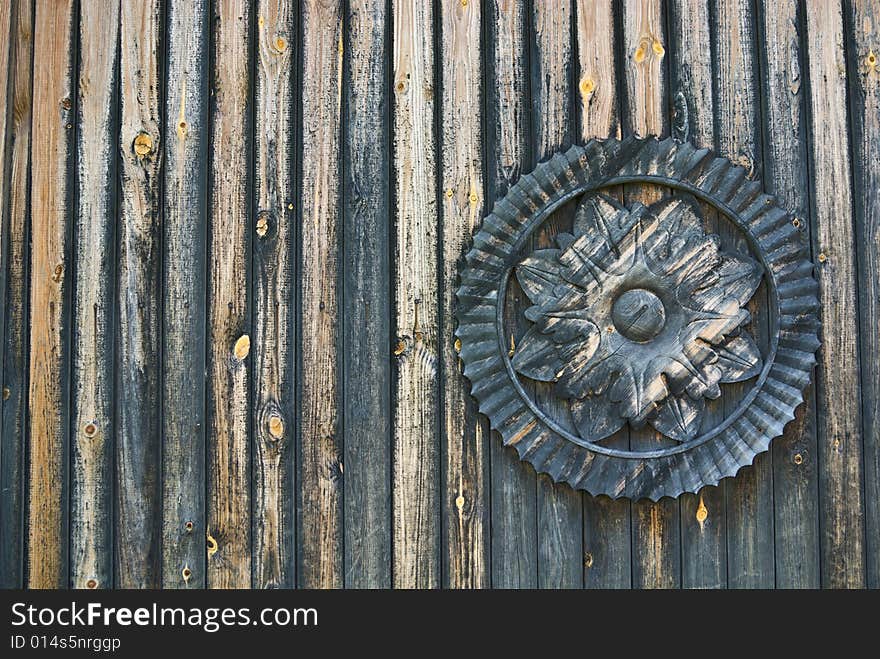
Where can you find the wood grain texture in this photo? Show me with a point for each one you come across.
(465, 435)
(51, 280)
(416, 470)
(7, 76)
(321, 467)
(656, 555)
(183, 356)
(273, 341)
(786, 174)
(560, 509)
(514, 559)
(703, 520)
(15, 335)
(228, 361)
(92, 367)
(607, 544)
(838, 393)
(138, 426)
(864, 72)
(367, 308)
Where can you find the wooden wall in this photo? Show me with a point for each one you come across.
(231, 232)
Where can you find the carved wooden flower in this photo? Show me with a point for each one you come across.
(637, 316)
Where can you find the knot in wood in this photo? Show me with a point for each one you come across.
(142, 144)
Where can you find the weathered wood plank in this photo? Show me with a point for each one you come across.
(274, 331)
(228, 408)
(51, 206)
(139, 300)
(703, 528)
(514, 559)
(560, 509)
(607, 543)
(92, 368)
(7, 76)
(786, 174)
(465, 434)
(15, 338)
(838, 392)
(656, 556)
(367, 309)
(738, 121)
(183, 355)
(864, 63)
(321, 468)
(416, 475)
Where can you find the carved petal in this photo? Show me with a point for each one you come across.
(679, 417)
(739, 277)
(538, 274)
(536, 356)
(739, 359)
(595, 417)
(556, 345)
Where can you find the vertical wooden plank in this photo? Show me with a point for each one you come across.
(416, 473)
(51, 205)
(514, 558)
(274, 331)
(15, 336)
(367, 315)
(465, 434)
(838, 391)
(738, 119)
(703, 527)
(7, 76)
(607, 542)
(560, 509)
(92, 372)
(786, 174)
(864, 63)
(138, 421)
(183, 359)
(321, 468)
(656, 539)
(228, 409)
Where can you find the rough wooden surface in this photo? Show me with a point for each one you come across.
(703, 519)
(15, 338)
(513, 499)
(138, 340)
(228, 361)
(416, 475)
(183, 349)
(786, 172)
(51, 279)
(367, 309)
(321, 466)
(465, 434)
(92, 357)
(273, 339)
(7, 76)
(838, 392)
(864, 72)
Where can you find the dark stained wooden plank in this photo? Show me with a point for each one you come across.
(183, 354)
(273, 339)
(738, 137)
(367, 309)
(7, 76)
(703, 524)
(786, 174)
(228, 408)
(864, 72)
(15, 337)
(465, 435)
(138, 521)
(514, 559)
(416, 470)
(838, 392)
(656, 555)
(321, 466)
(92, 367)
(607, 542)
(560, 509)
(51, 280)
